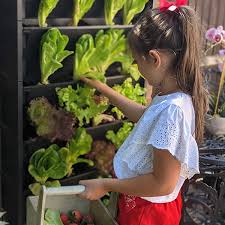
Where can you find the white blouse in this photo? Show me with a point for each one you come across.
(168, 123)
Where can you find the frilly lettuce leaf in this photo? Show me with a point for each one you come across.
(133, 92)
(82, 102)
(119, 137)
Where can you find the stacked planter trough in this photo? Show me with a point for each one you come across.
(20, 75)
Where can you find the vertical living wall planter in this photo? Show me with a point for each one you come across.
(20, 73)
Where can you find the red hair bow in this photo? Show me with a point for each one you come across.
(165, 4)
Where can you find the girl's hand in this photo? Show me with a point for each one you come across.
(94, 189)
(93, 83)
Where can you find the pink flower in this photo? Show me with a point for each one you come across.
(210, 34)
(221, 53)
(215, 34)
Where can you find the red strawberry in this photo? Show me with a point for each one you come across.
(64, 218)
(77, 215)
(73, 224)
(88, 219)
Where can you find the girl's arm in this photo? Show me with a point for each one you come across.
(132, 110)
(160, 182)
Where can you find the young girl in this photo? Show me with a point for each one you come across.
(161, 152)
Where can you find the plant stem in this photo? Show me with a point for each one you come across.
(222, 79)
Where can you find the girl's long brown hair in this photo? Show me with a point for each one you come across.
(178, 31)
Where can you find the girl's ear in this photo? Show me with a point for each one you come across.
(156, 58)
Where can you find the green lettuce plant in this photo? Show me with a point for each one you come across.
(119, 137)
(45, 8)
(131, 8)
(111, 7)
(81, 7)
(94, 56)
(82, 102)
(51, 123)
(45, 164)
(56, 162)
(52, 53)
(133, 92)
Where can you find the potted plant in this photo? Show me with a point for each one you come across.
(215, 119)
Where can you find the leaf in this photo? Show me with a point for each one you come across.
(119, 137)
(35, 188)
(87, 161)
(133, 92)
(52, 53)
(81, 7)
(129, 68)
(94, 56)
(81, 102)
(47, 163)
(131, 8)
(81, 143)
(45, 8)
(102, 118)
(111, 7)
(52, 217)
(51, 123)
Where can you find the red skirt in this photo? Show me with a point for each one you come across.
(137, 211)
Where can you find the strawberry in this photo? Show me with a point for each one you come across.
(73, 224)
(88, 219)
(64, 218)
(77, 215)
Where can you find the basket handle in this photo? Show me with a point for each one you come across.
(67, 190)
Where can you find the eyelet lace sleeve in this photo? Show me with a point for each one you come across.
(172, 132)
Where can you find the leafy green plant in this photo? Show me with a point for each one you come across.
(119, 137)
(102, 153)
(131, 8)
(51, 123)
(82, 102)
(76, 147)
(133, 92)
(45, 164)
(81, 7)
(52, 217)
(94, 56)
(45, 8)
(131, 69)
(111, 7)
(52, 53)
(56, 162)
